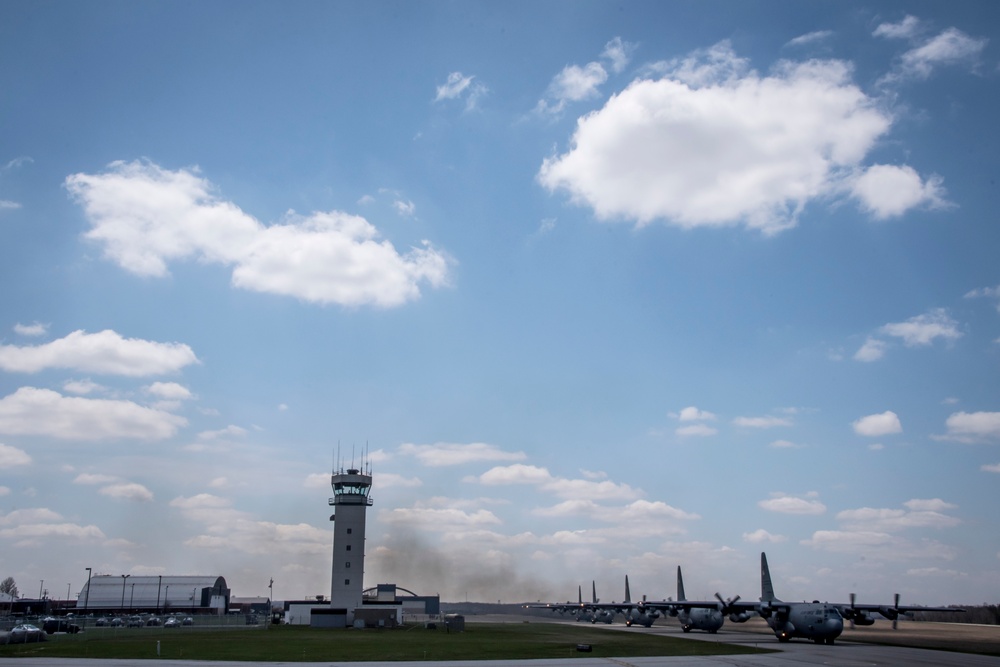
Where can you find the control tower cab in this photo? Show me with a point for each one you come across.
(350, 500)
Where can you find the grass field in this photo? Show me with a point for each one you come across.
(481, 641)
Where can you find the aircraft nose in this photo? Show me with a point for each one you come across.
(835, 625)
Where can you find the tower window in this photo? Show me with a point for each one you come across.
(348, 564)
(347, 582)
(348, 547)
(348, 531)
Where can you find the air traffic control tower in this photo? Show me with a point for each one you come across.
(350, 501)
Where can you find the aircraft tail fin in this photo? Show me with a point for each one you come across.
(680, 585)
(766, 587)
(579, 594)
(628, 593)
(593, 591)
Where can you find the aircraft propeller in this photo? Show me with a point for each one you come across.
(891, 612)
(725, 606)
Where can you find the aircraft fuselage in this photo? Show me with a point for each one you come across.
(640, 617)
(816, 621)
(709, 620)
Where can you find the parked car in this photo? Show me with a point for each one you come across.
(188, 621)
(101, 622)
(152, 621)
(117, 622)
(54, 625)
(172, 623)
(24, 633)
(135, 622)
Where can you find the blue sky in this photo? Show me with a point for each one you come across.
(601, 289)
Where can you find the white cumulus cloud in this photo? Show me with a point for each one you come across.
(127, 491)
(692, 413)
(904, 29)
(145, 217)
(872, 350)
(973, 426)
(761, 535)
(762, 422)
(696, 430)
(449, 453)
(873, 426)
(105, 352)
(559, 486)
(715, 143)
(792, 505)
(169, 390)
(950, 47)
(457, 86)
(33, 329)
(32, 411)
(11, 457)
(924, 329)
(889, 191)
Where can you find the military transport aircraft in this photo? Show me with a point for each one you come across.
(818, 621)
(691, 614)
(637, 612)
(604, 612)
(583, 611)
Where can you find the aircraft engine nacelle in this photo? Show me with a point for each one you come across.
(741, 617)
(889, 612)
(863, 619)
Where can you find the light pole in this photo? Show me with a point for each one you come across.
(158, 584)
(42, 583)
(166, 599)
(131, 598)
(87, 600)
(124, 577)
(67, 593)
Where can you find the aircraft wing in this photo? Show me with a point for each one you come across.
(560, 607)
(902, 609)
(890, 612)
(731, 606)
(674, 605)
(580, 606)
(762, 607)
(860, 612)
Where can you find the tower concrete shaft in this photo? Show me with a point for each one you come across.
(350, 501)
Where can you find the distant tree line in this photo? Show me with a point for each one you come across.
(985, 614)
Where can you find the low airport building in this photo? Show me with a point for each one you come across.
(251, 605)
(384, 606)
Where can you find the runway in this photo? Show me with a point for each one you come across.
(845, 653)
